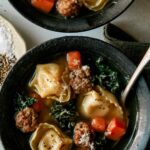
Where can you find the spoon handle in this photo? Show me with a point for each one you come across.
(137, 72)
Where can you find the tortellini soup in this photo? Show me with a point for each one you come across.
(68, 104)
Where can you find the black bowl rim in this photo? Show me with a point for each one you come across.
(140, 136)
(70, 30)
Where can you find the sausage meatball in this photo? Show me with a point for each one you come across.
(27, 120)
(68, 8)
(80, 80)
(83, 136)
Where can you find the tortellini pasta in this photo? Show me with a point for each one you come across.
(50, 82)
(99, 103)
(95, 5)
(47, 137)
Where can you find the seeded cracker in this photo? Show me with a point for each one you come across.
(6, 63)
(7, 58)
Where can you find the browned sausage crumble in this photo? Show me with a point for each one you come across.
(80, 80)
(27, 120)
(68, 8)
(83, 136)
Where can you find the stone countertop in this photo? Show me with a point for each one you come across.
(135, 21)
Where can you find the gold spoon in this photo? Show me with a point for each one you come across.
(135, 75)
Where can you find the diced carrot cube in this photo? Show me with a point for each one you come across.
(43, 5)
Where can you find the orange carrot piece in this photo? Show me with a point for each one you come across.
(74, 59)
(116, 129)
(43, 5)
(98, 124)
(38, 106)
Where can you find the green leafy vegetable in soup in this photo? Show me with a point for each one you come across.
(107, 77)
(22, 101)
(101, 142)
(65, 114)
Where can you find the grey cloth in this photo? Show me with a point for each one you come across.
(133, 49)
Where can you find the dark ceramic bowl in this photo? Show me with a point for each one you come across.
(85, 21)
(138, 103)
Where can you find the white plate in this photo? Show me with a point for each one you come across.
(19, 46)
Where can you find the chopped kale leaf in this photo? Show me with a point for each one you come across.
(22, 101)
(65, 114)
(107, 77)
